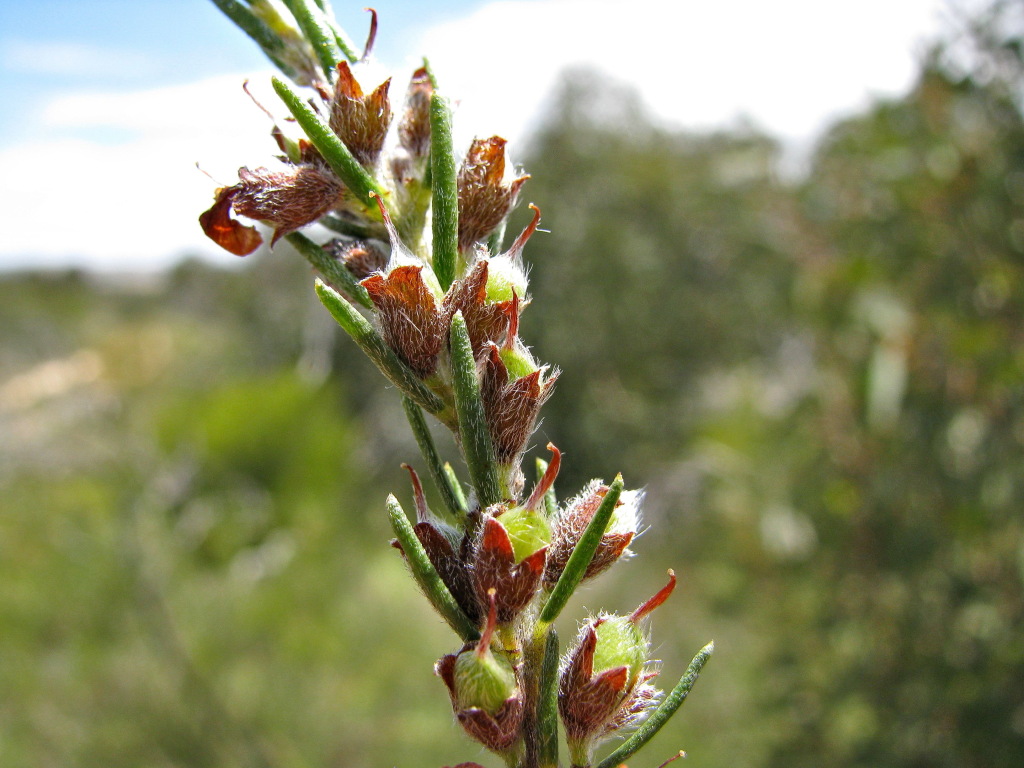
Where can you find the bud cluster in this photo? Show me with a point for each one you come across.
(415, 273)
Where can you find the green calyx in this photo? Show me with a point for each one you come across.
(620, 643)
(504, 279)
(517, 362)
(528, 530)
(483, 680)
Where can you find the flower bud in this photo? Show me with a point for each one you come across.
(360, 121)
(485, 195)
(572, 522)
(604, 686)
(527, 529)
(484, 689)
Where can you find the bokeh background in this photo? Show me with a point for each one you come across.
(811, 357)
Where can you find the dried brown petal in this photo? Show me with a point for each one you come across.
(226, 231)
(409, 318)
(484, 198)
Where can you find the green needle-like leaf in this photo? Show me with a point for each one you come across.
(547, 704)
(426, 575)
(373, 345)
(661, 715)
(456, 486)
(434, 466)
(581, 556)
(476, 439)
(334, 151)
(272, 45)
(332, 269)
(445, 192)
(318, 32)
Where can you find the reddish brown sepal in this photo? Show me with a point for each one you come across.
(360, 121)
(511, 407)
(494, 566)
(414, 127)
(484, 197)
(484, 322)
(226, 231)
(568, 530)
(451, 569)
(409, 318)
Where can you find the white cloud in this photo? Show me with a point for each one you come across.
(788, 64)
(132, 204)
(65, 58)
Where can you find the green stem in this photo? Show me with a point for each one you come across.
(333, 270)
(425, 441)
(581, 556)
(334, 151)
(426, 575)
(661, 715)
(456, 486)
(474, 435)
(314, 27)
(268, 41)
(547, 704)
(373, 345)
(444, 185)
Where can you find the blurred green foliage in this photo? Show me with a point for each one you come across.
(818, 381)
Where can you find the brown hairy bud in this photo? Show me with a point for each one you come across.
(484, 196)
(410, 321)
(414, 127)
(511, 404)
(362, 257)
(485, 321)
(575, 518)
(360, 121)
(287, 199)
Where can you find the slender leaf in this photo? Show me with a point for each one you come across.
(476, 439)
(434, 466)
(547, 704)
(261, 33)
(456, 486)
(661, 715)
(318, 32)
(334, 151)
(346, 227)
(581, 556)
(373, 345)
(444, 185)
(426, 575)
(333, 270)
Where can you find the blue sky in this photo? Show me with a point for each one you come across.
(108, 104)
